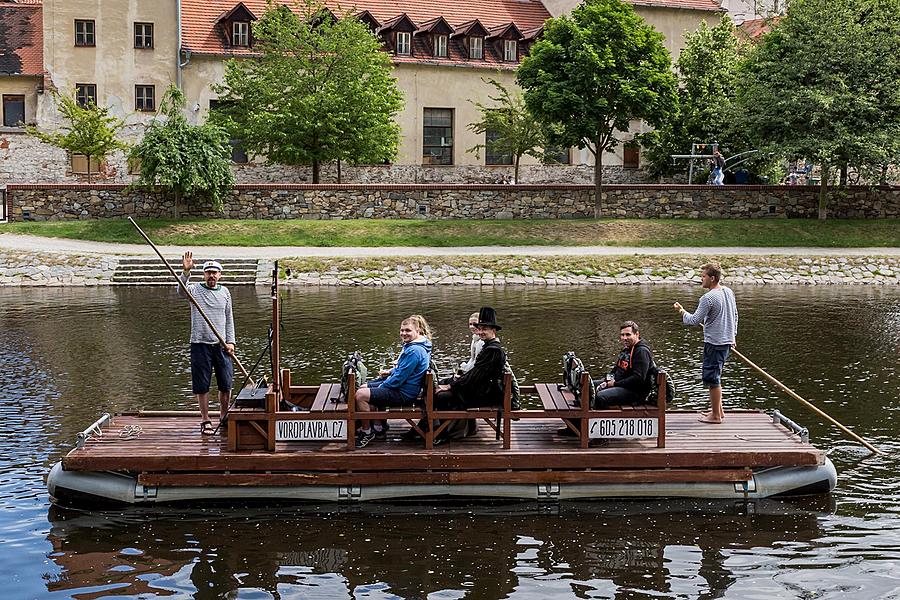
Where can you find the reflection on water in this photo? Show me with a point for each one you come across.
(68, 355)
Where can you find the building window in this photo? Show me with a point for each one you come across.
(510, 51)
(440, 45)
(556, 156)
(493, 156)
(404, 43)
(145, 98)
(437, 144)
(84, 32)
(86, 93)
(476, 47)
(240, 33)
(143, 35)
(79, 164)
(631, 155)
(13, 110)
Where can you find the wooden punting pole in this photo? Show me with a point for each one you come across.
(189, 295)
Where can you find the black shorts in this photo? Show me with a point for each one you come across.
(205, 358)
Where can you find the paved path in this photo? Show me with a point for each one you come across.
(28, 243)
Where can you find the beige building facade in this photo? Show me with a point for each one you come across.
(123, 54)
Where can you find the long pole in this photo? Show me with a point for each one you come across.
(797, 397)
(189, 295)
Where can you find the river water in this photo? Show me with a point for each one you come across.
(67, 355)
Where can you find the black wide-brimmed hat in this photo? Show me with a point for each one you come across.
(487, 317)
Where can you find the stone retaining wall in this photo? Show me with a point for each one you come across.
(69, 202)
(56, 269)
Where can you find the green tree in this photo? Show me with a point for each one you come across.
(190, 161)
(823, 85)
(514, 130)
(318, 89)
(592, 73)
(91, 131)
(707, 70)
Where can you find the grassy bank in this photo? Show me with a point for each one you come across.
(582, 232)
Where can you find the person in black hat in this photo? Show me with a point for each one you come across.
(482, 385)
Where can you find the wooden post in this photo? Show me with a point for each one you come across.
(507, 408)
(286, 384)
(585, 409)
(661, 404)
(429, 411)
(351, 411)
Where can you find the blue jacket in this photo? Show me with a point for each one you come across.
(412, 364)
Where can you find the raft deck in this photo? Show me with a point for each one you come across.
(169, 451)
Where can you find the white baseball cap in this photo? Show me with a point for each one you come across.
(212, 265)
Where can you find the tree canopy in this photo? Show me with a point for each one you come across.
(90, 131)
(592, 73)
(707, 70)
(191, 161)
(823, 85)
(317, 89)
(512, 128)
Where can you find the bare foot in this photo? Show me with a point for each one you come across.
(707, 419)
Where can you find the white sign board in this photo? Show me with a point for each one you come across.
(294, 430)
(623, 428)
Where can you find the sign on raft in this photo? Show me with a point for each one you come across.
(294, 430)
(623, 428)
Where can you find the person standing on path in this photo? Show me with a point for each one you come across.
(207, 353)
(717, 313)
(718, 168)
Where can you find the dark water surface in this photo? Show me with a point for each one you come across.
(67, 355)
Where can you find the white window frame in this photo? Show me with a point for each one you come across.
(440, 46)
(510, 50)
(240, 33)
(404, 43)
(476, 47)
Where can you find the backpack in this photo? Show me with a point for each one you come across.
(654, 386)
(353, 364)
(573, 369)
(514, 383)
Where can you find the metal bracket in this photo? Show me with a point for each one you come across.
(803, 432)
(93, 429)
(144, 492)
(349, 493)
(548, 491)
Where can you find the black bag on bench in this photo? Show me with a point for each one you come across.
(573, 370)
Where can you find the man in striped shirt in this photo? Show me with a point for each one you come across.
(717, 312)
(207, 352)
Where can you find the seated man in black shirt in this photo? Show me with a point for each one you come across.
(628, 381)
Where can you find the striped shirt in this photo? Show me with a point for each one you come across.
(216, 303)
(717, 311)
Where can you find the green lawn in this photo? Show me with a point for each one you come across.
(582, 232)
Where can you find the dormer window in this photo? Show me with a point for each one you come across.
(476, 47)
(440, 46)
(404, 43)
(510, 51)
(240, 33)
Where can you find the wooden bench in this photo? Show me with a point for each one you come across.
(327, 405)
(497, 417)
(562, 404)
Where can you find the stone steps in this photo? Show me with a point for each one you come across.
(151, 271)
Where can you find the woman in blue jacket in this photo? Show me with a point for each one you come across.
(401, 385)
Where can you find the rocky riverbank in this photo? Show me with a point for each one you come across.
(57, 269)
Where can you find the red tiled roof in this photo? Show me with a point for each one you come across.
(754, 28)
(200, 33)
(21, 38)
(709, 5)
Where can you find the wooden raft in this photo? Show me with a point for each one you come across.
(170, 451)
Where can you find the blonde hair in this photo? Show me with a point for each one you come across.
(419, 322)
(475, 316)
